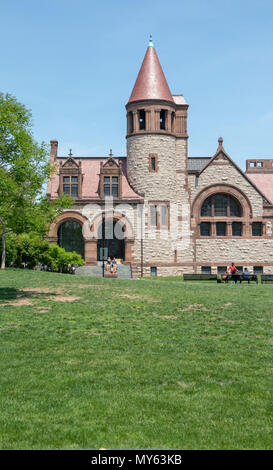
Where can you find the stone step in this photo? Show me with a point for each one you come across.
(123, 271)
(89, 271)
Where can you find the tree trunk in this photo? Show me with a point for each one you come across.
(3, 260)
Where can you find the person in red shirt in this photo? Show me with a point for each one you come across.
(233, 271)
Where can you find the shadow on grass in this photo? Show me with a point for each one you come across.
(9, 293)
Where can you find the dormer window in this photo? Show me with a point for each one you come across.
(110, 185)
(110, 178)
(70, 185)
(70, 178)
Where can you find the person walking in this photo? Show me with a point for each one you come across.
(234, 273)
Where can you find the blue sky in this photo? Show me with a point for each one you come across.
(74, 64)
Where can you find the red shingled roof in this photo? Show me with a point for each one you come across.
(90, 186)
(151, 82)
(264, 182)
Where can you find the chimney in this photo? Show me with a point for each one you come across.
(53, 149)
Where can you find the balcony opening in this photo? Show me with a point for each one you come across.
(163, 113)
(142, 119)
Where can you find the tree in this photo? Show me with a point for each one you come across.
(24, 168)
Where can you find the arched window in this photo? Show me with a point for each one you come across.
(224, 206)
(70, 237)
(221, 205)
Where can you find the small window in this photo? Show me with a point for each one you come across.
(153, 166)
(260, 164)
(256, 229)
(252, 164)
(258, 269)
(221, 269)
(221, 229)
(205, 269)
(237, 229)
(164, 216)
(153, 271)
(205, 229)
(153, 215)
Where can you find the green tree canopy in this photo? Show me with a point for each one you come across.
(24, 169)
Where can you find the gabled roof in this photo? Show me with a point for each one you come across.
(151, 82)
(90, 167)
(221, 154)
(195, 164)
(70, 162)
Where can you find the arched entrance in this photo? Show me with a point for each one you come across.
(111, 239)
(70, 237)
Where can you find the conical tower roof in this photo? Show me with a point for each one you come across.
(151, 83)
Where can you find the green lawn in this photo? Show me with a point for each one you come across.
(108, 363)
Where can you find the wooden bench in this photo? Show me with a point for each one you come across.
(200, 277)
(251, 278)
(266, 278)
(240, 278)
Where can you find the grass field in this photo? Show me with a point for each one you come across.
(108, 363)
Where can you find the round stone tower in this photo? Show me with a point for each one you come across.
(156, 132)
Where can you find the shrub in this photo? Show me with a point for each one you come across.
(59, 259)
(32, 249)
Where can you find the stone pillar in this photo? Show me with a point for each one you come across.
(229, 229)
(148, 120)
(213, 229)
(168, 121)
(90, 252)
(135, 120)
(128, 250)
(157, 120)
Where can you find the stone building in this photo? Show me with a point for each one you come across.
(158, 210)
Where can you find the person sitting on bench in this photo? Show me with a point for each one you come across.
(114, 265)
(108, 264)
(225, 276)
(246, 275)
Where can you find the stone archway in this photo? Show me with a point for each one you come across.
(70, 236)
(120, 239)
(114, 245)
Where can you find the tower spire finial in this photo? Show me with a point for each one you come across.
(151, 44)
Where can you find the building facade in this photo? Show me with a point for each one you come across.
(157, 209)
